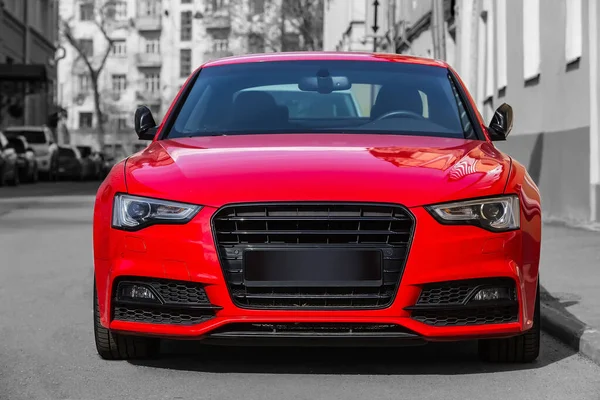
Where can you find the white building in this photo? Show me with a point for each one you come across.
(539, 57)
(157, 44)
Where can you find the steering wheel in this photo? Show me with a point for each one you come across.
(400, 113)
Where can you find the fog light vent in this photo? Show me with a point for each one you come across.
(494, 293)
(131, 291)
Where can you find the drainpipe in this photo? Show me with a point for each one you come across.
(594, 117)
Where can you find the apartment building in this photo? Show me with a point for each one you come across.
(130, 76)
(156, 46)
(541, 57)
(28, 44)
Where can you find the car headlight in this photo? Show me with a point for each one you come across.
(496, 214)
(133, 213)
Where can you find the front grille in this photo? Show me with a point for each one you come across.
(309, 225)
(459, 292)
(472, 316)
(160, 316)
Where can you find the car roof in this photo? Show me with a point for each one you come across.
(325, 55)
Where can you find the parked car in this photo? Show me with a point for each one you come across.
(28, 169)
(92, 163)
(404, 224)
(137, 147)
(113, 153)
(41, 141)
(9, 170)
(70, 163)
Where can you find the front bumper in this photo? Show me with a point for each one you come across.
(437, 254)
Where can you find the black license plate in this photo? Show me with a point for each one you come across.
(313, 268)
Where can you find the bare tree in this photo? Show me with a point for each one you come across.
(306, 18)
(103, 17)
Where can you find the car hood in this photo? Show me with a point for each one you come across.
(407, 170)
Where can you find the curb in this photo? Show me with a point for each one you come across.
(571, 332)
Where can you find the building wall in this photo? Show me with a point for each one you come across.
(552, 114)
(347, 26)
(28, 33)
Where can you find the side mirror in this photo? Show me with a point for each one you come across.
(502, 123)
(144, 123)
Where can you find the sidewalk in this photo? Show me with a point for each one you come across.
(570, 279)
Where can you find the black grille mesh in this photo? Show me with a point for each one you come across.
(179, 302)
(384, 227)
(458, 292)
(180, 292)
(473, 316)
(160, 316)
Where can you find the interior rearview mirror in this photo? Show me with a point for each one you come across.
(144, 123)
(502, 123)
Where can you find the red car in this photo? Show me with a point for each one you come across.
(384, 217)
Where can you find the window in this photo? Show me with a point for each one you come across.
(186, 26)
(531, 39)
(214, 5)
(122, 124)
(149, 8)
(120, 10)
(291, 42)
(574, 31)
(221, 45)
(152, 45)
(86, 11)
(152, 82)
(185, 62)
(502, 61)
(257, 6)
(87, 47)
(263, 97)
(119, 83)
(84, 83)
(85, 120)
(119, 48)
(256, 43)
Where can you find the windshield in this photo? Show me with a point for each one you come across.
(32, 137)
(321, 97)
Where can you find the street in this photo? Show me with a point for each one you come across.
(47, 347)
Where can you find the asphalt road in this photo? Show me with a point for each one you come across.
(47, 348)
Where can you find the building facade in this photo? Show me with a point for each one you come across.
(542, 60)
(28, 49)
(157, 44)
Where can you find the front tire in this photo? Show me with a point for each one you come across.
(113, 346)
(524, 348)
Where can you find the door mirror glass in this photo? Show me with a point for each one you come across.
(502, 123)
(144, 123)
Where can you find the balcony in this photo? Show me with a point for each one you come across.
(218, 20)
(148, 60)
(148, 98)
(214, 55)
(148, 23)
